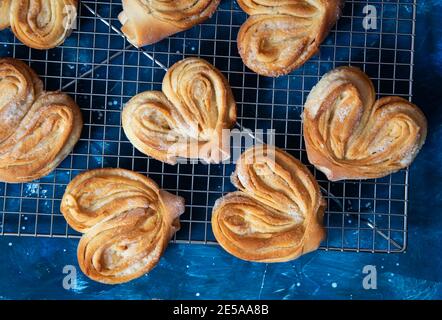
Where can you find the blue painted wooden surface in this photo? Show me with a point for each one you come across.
(32, 267)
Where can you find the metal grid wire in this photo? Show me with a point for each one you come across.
(101, 70)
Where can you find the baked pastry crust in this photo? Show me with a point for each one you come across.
(39, 129)
(5, 6)
(281, 36)
(277, 214)
(147, 22)
(187, 119)
(126, 219)
(350, 135)
(39, 24)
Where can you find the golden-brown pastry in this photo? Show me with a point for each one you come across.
(4, 13)
(38, 129)
(147, 22)
(350, 135)
(277, 214)
(280, 36)
(188, 119)
(39, 24)
(126, 219)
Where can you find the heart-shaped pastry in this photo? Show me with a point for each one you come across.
(277, 214)
(38, 129)
(147, 22)
(126, 219)
(350, 135)
(39, 24)
(191, 118)
(281, 36)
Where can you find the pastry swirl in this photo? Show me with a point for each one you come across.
(281, 36)
(277, 213)
(39, 129)
(126, 219)
(39, 24)
(147, 22)
(187, 119)
(350, 135)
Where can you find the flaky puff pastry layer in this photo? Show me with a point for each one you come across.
(38, 129)
(350, 135)
(188, 119)
(39, 24)
(146, 22)
(126, 219)
(281, 36)
(277, 213)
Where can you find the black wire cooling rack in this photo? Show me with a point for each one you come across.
(101, 70)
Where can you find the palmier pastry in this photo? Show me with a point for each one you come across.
(188, 119)
(280, 36)
(147, 22)
(39, 24)
(277, 214)
(38, 129)
(350, 135)
(126, 219)
(5, 6)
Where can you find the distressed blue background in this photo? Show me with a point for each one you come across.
(32, 267)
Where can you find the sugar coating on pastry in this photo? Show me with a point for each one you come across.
(146, 22)
(126, 219)
(351, 135)
(39, 129)
(39, 24)
(277, 213)
(281, 36)
(190, 118)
